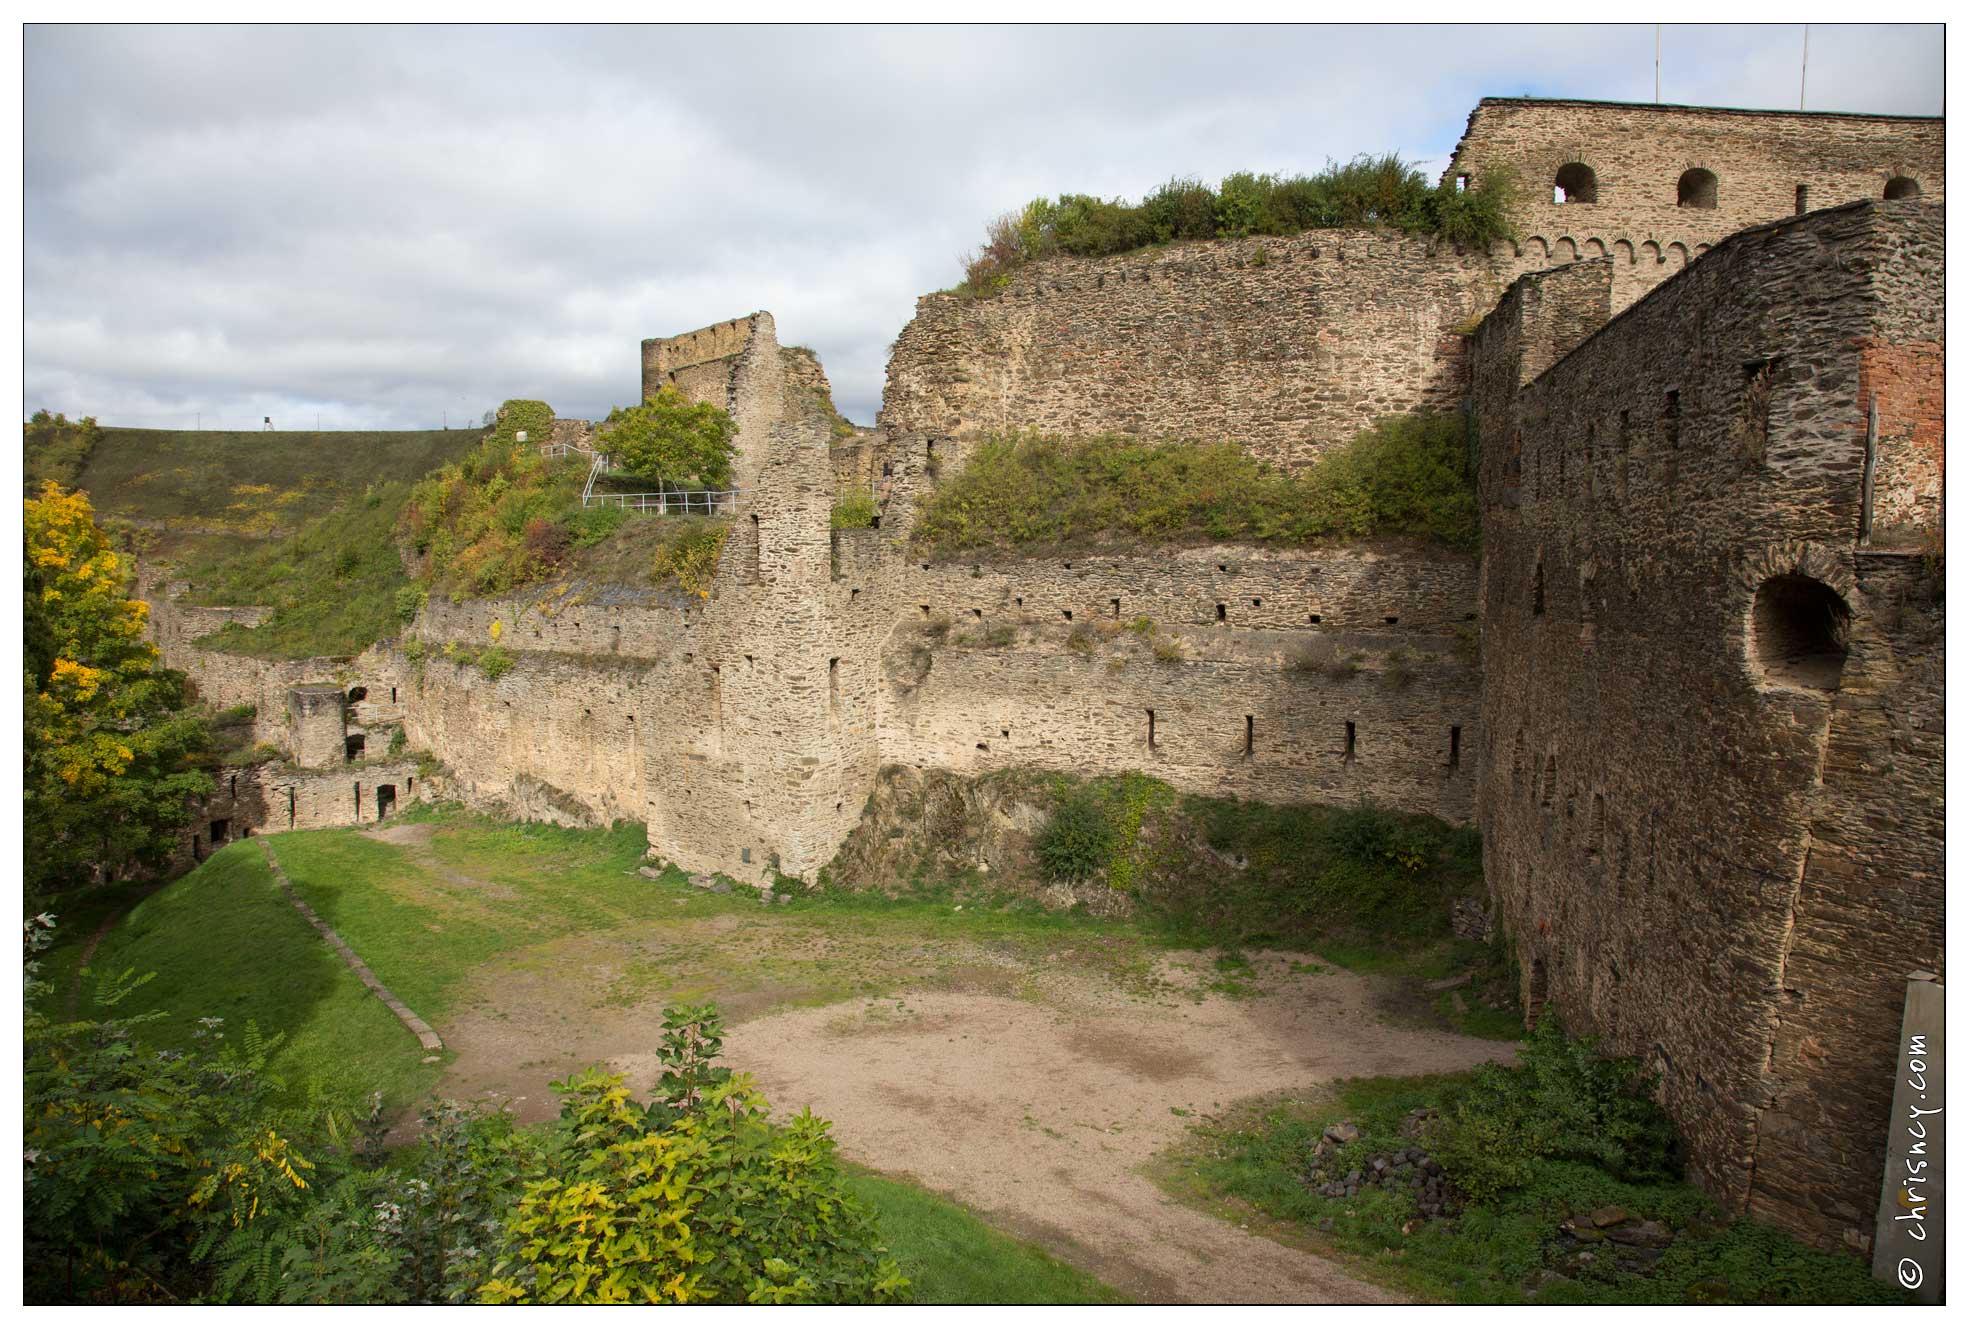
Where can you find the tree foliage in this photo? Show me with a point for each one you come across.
(1365, 192)
(673, 441)
(109, 740)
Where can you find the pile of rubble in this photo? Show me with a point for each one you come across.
(1409, 1168)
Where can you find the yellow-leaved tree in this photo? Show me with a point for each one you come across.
(109, 745)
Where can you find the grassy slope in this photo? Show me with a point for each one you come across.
(197, 476)
(332, 584)
(224, 942)
(952, 1258)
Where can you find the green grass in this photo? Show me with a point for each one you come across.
(334, 585)
(253, 481)
(1251, 1158)
(493, 889)
(952, 1258)
(224, 942)
(1408, 476)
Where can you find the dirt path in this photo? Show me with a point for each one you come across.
(1034, 1090)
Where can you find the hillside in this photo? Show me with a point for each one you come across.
(249, 482)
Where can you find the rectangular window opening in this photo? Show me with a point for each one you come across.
(1798, 198)
(1220, 613)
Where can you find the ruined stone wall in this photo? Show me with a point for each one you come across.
(1285, 357)
(737, 366)
(1709, 845)
(556, 739)
(1639, 154)
(275, 796)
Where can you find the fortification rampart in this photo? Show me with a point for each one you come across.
(1711, 800)
(1654, 187)
(1283, 346)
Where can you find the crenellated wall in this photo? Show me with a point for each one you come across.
(1639, 212)
(1712, 793)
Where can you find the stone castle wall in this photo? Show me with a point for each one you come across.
(1285, 356)
(1639, 154)
(1705, 852)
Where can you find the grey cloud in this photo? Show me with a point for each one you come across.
(385, 224)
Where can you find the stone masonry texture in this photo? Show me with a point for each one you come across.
(1692, 692)
(1708, 854)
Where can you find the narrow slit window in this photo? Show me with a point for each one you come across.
(1249, 725)
(1671, 419)
(1455, 746)
(1799, 197)
(1220, 613)
(834, 691)
(1151, 728)
(1538, 590)
(1349, 756)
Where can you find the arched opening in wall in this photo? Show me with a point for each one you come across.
(1575, 183)
(358, 694)
(1902, 186)
(1798, 632)
(1696, 189)
(386, 800)
(221, 829)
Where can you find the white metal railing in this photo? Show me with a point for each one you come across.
(709, 502)
(563, 449)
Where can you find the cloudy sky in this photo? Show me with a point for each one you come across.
(388, 227)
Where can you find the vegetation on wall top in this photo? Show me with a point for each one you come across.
(1365, 192)
(502, 515)
(1408, 475)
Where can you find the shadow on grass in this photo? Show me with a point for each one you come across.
(223, 942)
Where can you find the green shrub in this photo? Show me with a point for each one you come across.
(471, 518)
(1367, 191)
(495, 662)
(690, 558)
(535, 418)
(853, 511)
(1563, 1101)
(1408, 475)
(697, 1197)
(1078, 839)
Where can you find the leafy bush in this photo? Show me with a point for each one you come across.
(690, 558)
(1077, 840)
(1330, 878)
(673, 441)
(1563, 1101)
(471, 519)
(853, 510)
(696, 1197)
(1367, 191)
(1408, 475)
(534, 418)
